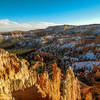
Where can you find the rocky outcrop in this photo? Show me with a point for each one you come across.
(43, 89)
(17, 82)
(51, 88)
(14, 74)
(71, 87)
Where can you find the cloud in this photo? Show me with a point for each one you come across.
(8, 25)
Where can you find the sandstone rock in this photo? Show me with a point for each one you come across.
(71, 87)
(14, 73)
(45, 89)
(5, 97)
(51, 88)
(19, 83)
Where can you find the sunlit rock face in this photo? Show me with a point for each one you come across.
(43, 89)
(17, 82)
(14, 74)
(71, 89)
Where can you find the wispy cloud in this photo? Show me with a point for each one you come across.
(8, 25)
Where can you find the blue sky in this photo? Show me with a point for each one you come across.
(36, 12)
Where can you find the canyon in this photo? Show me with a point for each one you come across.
(57, 63)
(19, 83)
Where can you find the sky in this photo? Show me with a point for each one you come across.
(34, 14)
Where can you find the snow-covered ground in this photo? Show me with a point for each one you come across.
(89, 56)
(88, 64)
(68, 45)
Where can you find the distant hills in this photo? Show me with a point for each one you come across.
(72, 29)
